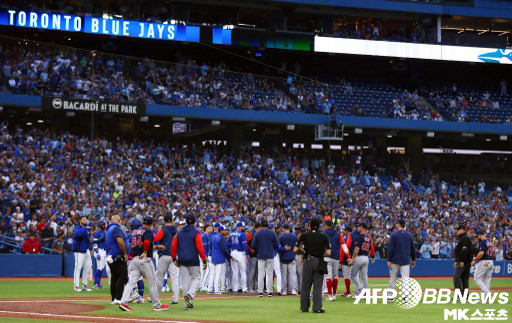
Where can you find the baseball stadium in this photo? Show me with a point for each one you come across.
(255, 161)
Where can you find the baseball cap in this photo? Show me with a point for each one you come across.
(264, 223)
(239, 224)
(329, 223)
(135, 223)
(314, 222)
(479, 231)
(168, 218)
(216, 224)
(221, 228)
(190, 219)
(402, 223)
(148, 219)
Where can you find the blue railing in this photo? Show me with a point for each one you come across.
(14, 245)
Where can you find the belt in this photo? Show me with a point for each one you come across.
(309, 257)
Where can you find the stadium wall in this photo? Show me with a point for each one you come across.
(24, 101)
(63, 266)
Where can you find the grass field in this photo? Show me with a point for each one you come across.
(231, 308)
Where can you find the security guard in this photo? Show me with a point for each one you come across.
(463, 257)
(315, 246)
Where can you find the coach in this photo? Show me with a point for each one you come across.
(401, 253)
(117, 257)
(265, 243)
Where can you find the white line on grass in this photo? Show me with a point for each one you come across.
(94, 317)
(101, 300)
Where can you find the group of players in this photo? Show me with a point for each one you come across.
(239, 261)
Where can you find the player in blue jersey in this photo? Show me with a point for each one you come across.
(100, 253)
(362, 248)
(484, 261)
(239, 257)
(83, 262)
(141, 251)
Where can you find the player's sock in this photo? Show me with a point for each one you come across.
(165, 283)
(140, 287)
(329, 286)
(347, 285)
(97, 277)
(334, 286)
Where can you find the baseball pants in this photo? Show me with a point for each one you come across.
(83, 267)
(265, 275)
(119, 270)
(136, 268)
(483, 274)
(346, 271)
(239, 267)
(311, 278)
(393, 273)
(277, 271)
(289, 273)
(206, 276)
(191, 277)
(461, 277)
(102, 262)
(217, 274)
(165, 264)
(252, 280)
(360, 266)
(228, 274)
(300, 265)
(333, 267)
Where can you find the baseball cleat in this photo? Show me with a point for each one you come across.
(77, 289)
(140, 300)
(391, 300)
(125, 307)
(270, 294)
(319, 311)
(87, 289)
(174, 302)
(189, 303)
(295, 293)
(116, 302)
(163, 307)
(149, 299)
(96, 286)
(260, 295)
(211, 293)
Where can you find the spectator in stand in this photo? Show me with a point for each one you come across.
(58, 244)
(426, 249)
(47, 236)
(31, 246)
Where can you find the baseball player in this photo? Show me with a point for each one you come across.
(266, 243)
(100, 253)
(362, 248)
(237, 243)
(276, 264)
(333, 260)
(344, 260)
(83, 262)
(220, 253)
(137, 293)
(207, 231)
(252, 267)
(187, 247)
(165, 263)
(141, 251)
(288, 240)
(401, 254)
(484, 261)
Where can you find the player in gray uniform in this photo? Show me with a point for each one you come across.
(141, 251)
(484, 261)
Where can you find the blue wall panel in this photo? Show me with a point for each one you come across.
(30, 265)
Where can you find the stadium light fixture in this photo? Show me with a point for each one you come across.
(1, 108)
(215, 123)
(29, 123)
(40, 121)
(488, 139)
(389, 136)
(254, 129)
(503, 137)
(431, 134)
(70, 114)
(358, 131)
(255, 143)
(156, 125)
(144, 119)
(346, 134)
(468, 134)
(290, 127)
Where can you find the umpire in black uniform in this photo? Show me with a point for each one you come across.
(314, 246)
(463, 257)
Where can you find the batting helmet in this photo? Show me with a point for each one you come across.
(148, 219)
(135, 224)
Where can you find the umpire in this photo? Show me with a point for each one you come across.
(463, 257)
(117, 257)
(315, 246)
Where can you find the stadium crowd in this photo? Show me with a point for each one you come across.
(49, 180)
(52, 71)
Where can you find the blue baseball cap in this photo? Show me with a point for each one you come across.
(239, 224)
(221, 228)
(216, 224)
(135, 223)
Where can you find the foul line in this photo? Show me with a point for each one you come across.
(103, 300)
(93, 317)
